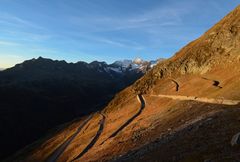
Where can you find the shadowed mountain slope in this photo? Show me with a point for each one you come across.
(40, 94)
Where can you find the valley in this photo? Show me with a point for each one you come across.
(183, 109)
(58, 91)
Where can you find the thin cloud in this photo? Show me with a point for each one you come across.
(150, 20)
(9, 19)
(124, 43)
(22, 30)
(27, 36)
(8, 43)
(130, 44)
(153, 18)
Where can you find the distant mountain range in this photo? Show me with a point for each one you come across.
(42, 93)
(120, 66)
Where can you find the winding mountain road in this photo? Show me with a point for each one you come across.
(94, 140)
(176, 83)
(55, 155)
(142, 101)
(201, 99)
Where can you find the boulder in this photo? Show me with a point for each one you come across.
(235, 139)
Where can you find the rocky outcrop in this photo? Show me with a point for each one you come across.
(217, 45)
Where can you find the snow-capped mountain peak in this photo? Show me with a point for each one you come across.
(137, 64)
(138, 61)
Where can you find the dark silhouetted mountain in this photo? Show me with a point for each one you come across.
(39, 94)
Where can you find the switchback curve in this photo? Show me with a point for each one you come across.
(94, 140)
(55, 155)
(176, 83)
(215, 82)
(142, 101)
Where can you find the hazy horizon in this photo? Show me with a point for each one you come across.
(102, 30)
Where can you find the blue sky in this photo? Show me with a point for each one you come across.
(104, 30)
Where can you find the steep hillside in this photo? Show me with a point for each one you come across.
(214, 48)
(186, 108)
